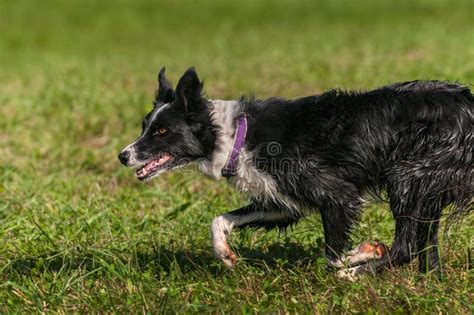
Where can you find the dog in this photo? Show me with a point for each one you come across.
(410, 142)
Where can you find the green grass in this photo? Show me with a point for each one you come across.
(78, 232)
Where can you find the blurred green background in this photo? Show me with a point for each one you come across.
(80, 234)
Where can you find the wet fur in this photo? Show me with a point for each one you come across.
(413, 141)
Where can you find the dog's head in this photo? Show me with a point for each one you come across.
(177, 131)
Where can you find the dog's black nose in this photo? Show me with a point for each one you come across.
(123, 157)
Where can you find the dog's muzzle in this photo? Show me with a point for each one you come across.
(124, 157)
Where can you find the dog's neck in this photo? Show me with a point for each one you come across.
(248, 179)
(223, 116)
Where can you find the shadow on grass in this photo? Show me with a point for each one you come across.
(285, 256)
(161, 258)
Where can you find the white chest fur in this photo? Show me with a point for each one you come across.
(258, 185)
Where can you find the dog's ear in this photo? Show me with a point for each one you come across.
(165, 92)
(189, 91)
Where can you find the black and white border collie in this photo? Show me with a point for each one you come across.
(412, 142)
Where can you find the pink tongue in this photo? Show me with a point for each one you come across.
(150, 165)
(155, 163)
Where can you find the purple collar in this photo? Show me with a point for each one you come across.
(230, 167)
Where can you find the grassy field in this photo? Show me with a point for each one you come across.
(79, 233)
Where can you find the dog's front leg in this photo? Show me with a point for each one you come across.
(251, 215)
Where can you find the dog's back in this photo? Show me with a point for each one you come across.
(366, 136)
(413, 140)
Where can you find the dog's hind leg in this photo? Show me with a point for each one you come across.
(404, 245)
(407, 197)
(416, 207)
(428, 257)
(252, 215)
(427, 233)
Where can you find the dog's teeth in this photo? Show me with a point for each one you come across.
(152, 165)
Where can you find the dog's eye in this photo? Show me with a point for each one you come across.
(161, 131)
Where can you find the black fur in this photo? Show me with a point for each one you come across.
(412, 141)
(187, 118)
(165, 93)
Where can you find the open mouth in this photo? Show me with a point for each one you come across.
(154, 166)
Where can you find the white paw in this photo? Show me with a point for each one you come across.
(224, 253)
(353, 273)
(220, 229)
(350, 274)
(363, 253)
